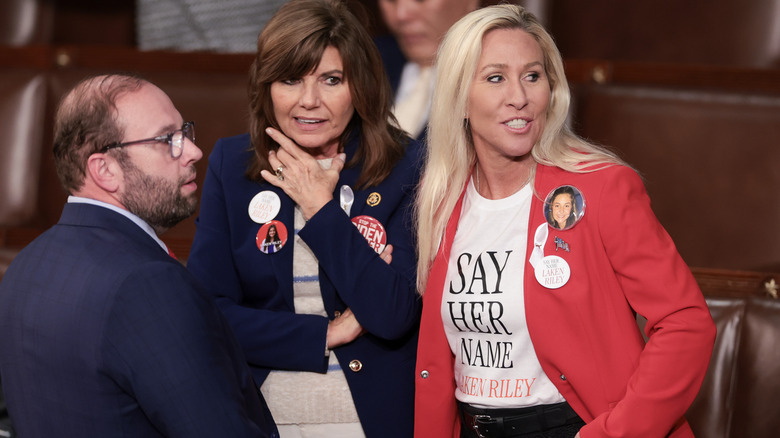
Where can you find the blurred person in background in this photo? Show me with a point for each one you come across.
(417, 28)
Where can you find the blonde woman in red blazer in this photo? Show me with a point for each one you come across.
(579, 288)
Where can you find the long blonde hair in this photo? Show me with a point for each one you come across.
(450, 153)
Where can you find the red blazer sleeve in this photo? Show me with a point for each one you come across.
(659, 286)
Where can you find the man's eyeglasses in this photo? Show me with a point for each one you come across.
(174, 139)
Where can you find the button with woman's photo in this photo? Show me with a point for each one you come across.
(271, 237)
(564, 207)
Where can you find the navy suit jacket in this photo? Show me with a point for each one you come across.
(394, 62)
(255, 290)
(102, 334)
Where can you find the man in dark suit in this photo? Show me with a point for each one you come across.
(102, 332)
(417, 27)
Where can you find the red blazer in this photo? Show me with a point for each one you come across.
(585, 333)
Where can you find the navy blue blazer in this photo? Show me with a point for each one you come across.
(102, 334)
(394, 62)
(255, 290)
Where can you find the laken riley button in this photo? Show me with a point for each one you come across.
(264, 206)
(552, 272)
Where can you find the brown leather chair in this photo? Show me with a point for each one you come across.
(22, 106)
(709, 161)
(26, 22)
(757, 387)
(711, 413)
(717, 32)
(740, 392)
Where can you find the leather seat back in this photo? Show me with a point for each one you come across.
(709, 161)
(22, 123)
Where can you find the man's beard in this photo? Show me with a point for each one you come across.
(156, 200)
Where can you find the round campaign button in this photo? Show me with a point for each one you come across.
(553, 272)
(372, 230)
(271, 237)
(564, 207)
(264, 206)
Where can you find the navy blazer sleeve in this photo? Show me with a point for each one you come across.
(382, 296)
(164, 343)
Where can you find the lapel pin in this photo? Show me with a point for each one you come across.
(374, 199)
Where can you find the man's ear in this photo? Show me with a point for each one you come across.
(105, 172)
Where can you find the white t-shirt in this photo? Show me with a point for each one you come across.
(483, 308)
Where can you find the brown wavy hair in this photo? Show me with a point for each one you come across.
(291, 46)
(85, 122)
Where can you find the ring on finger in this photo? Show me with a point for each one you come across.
(279, 173)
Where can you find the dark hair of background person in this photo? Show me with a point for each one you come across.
(291, 46)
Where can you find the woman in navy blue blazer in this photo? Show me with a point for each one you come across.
(329, 320)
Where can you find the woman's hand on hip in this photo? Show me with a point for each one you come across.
(300, 176)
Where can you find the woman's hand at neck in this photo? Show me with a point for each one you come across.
(300, 175)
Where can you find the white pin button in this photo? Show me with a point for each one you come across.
(552, 272)
(264, 206)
